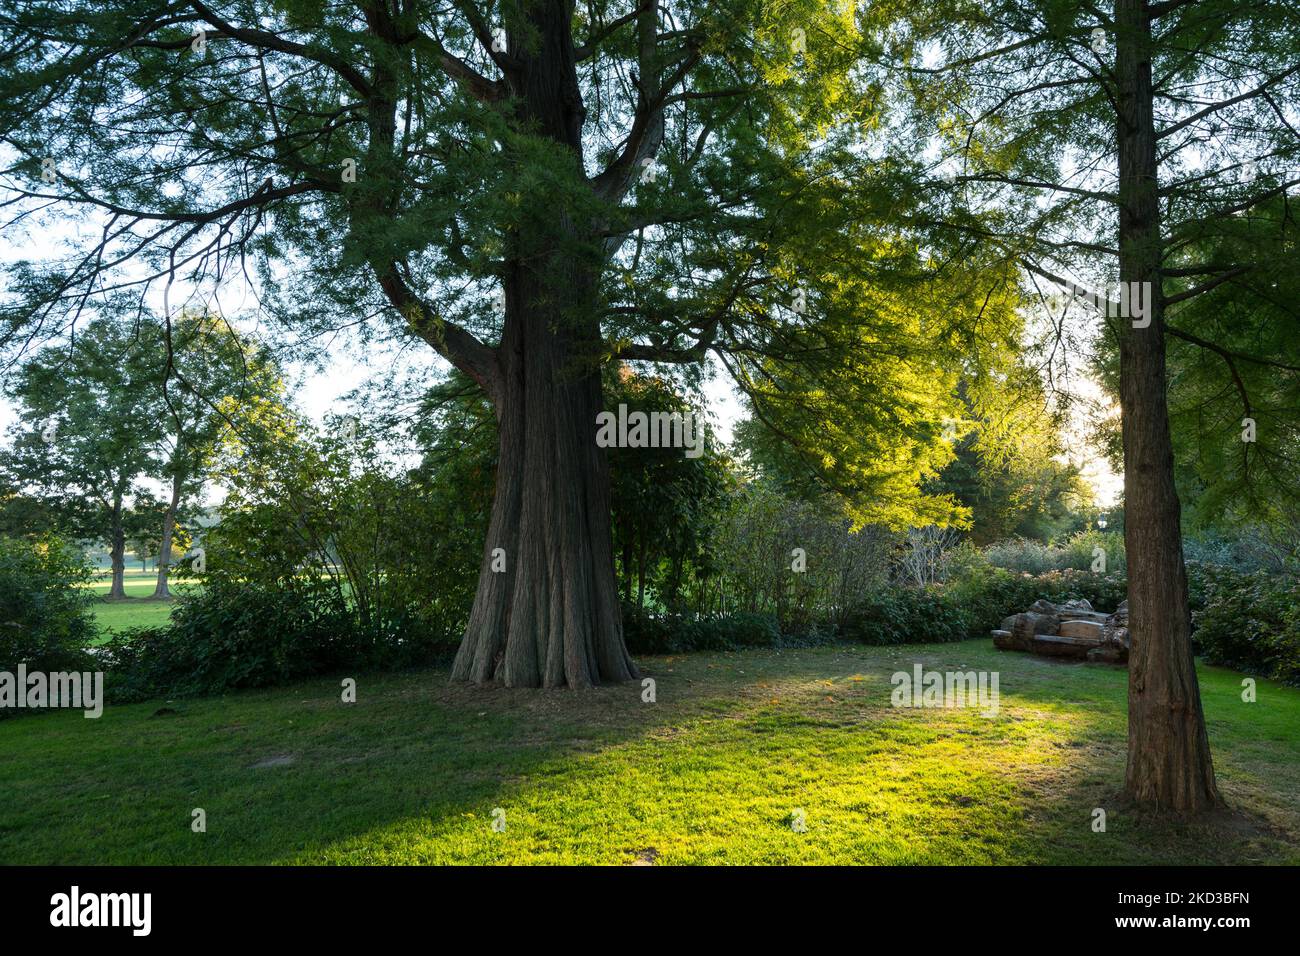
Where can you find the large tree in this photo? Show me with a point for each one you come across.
(532, 188)
(87, 433)
(1107, 144)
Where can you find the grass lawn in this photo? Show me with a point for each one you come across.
(710, 773)
(138, 610)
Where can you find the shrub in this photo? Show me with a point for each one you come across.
(731, 632)
(972, 605)
(751, 560)
(1249, 622)
(45, 617)
(232, 635)
(1078, 552)
(906, 615)
(1021, 554)
(648, 633)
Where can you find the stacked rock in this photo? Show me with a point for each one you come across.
(1071, 629)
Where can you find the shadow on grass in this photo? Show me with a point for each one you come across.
(713, 771)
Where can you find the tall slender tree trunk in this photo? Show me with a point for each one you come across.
(117, 551)
(551, 618)
(161, 589)
(1169, 765)
(640, 572)
(627, 564)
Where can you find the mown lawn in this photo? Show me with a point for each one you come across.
(710, 773)
(138, 610)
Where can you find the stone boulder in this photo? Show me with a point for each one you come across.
(1025, 626)
(1090, 630)
(1072, 629)
(1054, 645)
(1115, 637)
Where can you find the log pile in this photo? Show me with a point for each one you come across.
(1072, 630)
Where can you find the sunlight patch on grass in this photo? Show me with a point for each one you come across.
(711, 773)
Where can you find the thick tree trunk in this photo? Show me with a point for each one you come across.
(1169, 764)
(161, 590)
(551, 618)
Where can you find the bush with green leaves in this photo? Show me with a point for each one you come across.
(45, 617)
(1022, 554)
(753, 546)
(907, 615)
(229, 635)
(648, 633)
(1249, 621)
(399, 550)
(1078, 552)
(970, 605)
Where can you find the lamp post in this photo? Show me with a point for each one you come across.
(1101, 522)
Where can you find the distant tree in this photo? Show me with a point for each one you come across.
(87, 430)
(145, 549)
(1010, 469)
(662, 500)
(208, 382)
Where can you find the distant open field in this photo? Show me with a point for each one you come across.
(138, 610)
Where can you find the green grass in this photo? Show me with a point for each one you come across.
(710, 773)
(138, 610)
(138, 583)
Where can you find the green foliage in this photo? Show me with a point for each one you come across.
(1077, 552)
(872, 411)
(1255, 546)
(317, 513)
(229, 635)
(88, 425)
(763, 197)
(906, 615)
(1249, 622)
(651, 634)
(971, 605)
(326, 558)
(648, 633)
(1234, 378)
(1007, 470)
(752, 547)
(45, 616)
(663, 503)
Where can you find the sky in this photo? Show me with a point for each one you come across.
(322, 391)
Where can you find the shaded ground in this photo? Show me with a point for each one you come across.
(710, 773)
